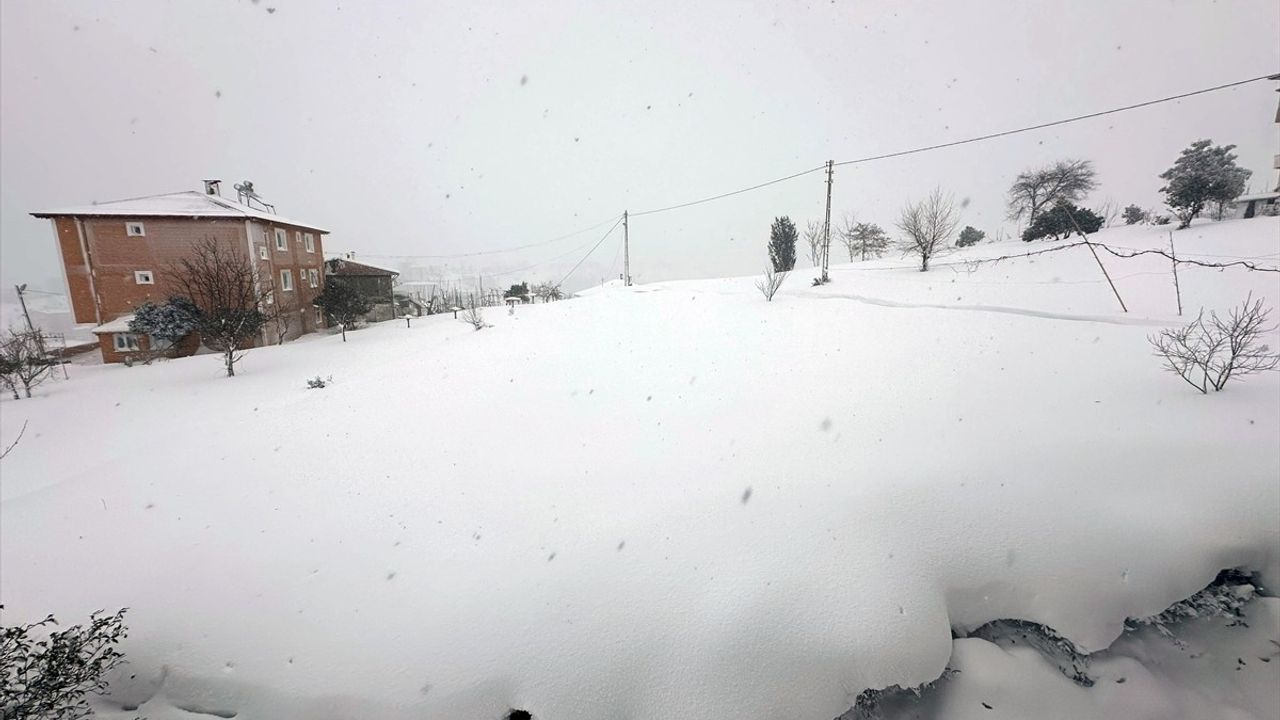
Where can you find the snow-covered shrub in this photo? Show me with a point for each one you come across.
(1062, 221)
(474, 317)
(51, 677)
(317, 382)
(1208, 352)
(1134, 215)
(169, 321)
(969, 236)
(1160, 219)
(769, 284)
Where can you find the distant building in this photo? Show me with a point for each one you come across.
(1253, 205)
(374, 283)
(117, 255)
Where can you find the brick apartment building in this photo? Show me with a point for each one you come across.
(116, 255)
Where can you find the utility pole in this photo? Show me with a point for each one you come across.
(826, 225)
(626, 251)
(22, 301)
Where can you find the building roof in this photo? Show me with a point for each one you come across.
(1256, 196)
(351, 268)
(120, 324)
(188, 203)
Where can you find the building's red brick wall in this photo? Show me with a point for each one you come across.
(299, 263)
(114, 256)
(76, 269)
(106, 343)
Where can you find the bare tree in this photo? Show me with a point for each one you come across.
(813, 239)
(1209, 352)
(281, 314)
(23, 361)
(1032, 190)
(769, 284)
(1109, 211)
(474, 317)
(15, 442)
(927, 226)
(227, 290)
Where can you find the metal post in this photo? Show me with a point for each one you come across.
(21, 300)
(1173, 256)
(626, 250)
(826, 225)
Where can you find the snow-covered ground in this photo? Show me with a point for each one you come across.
(667, 501)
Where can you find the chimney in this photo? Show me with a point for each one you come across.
(213, 187)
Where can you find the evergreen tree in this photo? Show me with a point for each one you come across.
(970, 236)
(782, 244)
(342, 304)
(1134, 215)
(1061, 222)
(1201, 175)
(864, 240)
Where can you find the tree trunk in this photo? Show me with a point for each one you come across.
(344, 331)
(924, 263)
(230, 359)
(26, 388)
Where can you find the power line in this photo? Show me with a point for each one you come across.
(1055, 123)
(491, 252)
(593, 249)
(729, 194)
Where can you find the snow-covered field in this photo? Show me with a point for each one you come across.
(672, 501)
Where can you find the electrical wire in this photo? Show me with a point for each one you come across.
(1055, 123)
(493, 252)
(593, 249)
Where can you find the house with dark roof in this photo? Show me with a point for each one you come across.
(376, 284)
(117, 255)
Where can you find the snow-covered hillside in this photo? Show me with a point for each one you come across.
(667, 501)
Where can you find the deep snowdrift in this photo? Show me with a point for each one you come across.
(667, 501)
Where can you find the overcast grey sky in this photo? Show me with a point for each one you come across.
(449, 127)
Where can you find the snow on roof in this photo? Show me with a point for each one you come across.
(343, 266)
(188, 203)
(1256, 196)
(120, 324)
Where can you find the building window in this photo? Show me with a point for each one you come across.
(313, 278)
(309, 241)
(156, 343)
(297, 235)
(144, 277)
(135, 229)
(282, 239)
(286, 280)
(270, 298)
(262, 251)
(319, 317)
(125, 342)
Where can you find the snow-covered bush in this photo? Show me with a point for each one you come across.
(1209, 352)
(769, 284)
(51, 677)
(1062, 221)
(1073, 663)
(1134, 215)
(169, 321)
(893, 701)
(317, 382)
(970, 236)
(474, 317)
